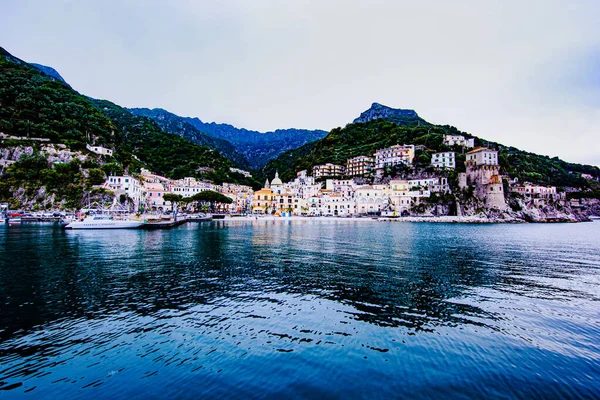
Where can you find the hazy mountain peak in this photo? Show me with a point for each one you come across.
(380, 111)
(257, 147)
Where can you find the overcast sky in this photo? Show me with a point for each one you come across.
(523, 73)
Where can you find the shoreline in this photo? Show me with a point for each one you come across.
(432, 219)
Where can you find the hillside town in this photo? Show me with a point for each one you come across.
(340, 190)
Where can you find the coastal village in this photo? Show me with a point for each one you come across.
(342, 190)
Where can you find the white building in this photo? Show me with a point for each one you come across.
(336, 204)
(344, 187)
(99, 150)
(127, 185)
(531, 191)
(303, 186)
(451, 140)
(371, 199)
(482, 156)
(359, 166)
(394, 155)
(445, 160)
(241, 171)
(189, 191)
(325, 170)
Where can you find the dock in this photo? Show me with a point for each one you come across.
(163, 224)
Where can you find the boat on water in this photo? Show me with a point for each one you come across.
(199, 217)
(104, 222)
(15, 220)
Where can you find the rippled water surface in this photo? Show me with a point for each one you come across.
(301, 309)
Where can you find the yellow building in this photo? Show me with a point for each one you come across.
(263, 201)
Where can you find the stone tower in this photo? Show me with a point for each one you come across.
(483, 171)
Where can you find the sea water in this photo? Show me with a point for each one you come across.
(301, 309)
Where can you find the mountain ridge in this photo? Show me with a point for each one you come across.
(175, 124)
(257, 147)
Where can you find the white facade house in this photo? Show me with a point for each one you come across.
(338, 205)
(371, 199)
(445, 160)
(325, 170)
(482, 156)
(189, 191)
(451, 140)
(303, 186)
(359, 166)
(530, 190)
(127, 185)
(394, 155)
(344, 187)
(99, 150)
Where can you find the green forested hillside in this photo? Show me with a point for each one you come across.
(172, 123)
(35, 105)
(365, 138)
(358, 139)
(167, 154)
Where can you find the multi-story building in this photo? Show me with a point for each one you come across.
(371, 199)
(241, 196)
(394, 155)
(127, 185)
(482, 156)
(326, 170)
(303, 186)
(344, 187)
(155, 193)
(283, 203)
(263, 201)
(451, 140)
(445, 160)
(538, 195)
(187, 188)
(359, 166)
(336, 204)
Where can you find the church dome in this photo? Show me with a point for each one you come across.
(276, 180)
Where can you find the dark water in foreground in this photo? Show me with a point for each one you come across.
(332, 309)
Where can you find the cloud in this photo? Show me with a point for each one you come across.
(523, 73)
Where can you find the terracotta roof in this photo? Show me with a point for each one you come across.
(478, 149)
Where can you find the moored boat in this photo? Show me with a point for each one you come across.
(199, 217)
(104, 222)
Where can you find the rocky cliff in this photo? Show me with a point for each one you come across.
(397, 115)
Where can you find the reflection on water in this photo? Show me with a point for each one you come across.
(301, 309)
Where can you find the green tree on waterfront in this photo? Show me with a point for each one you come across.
(212, 197)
